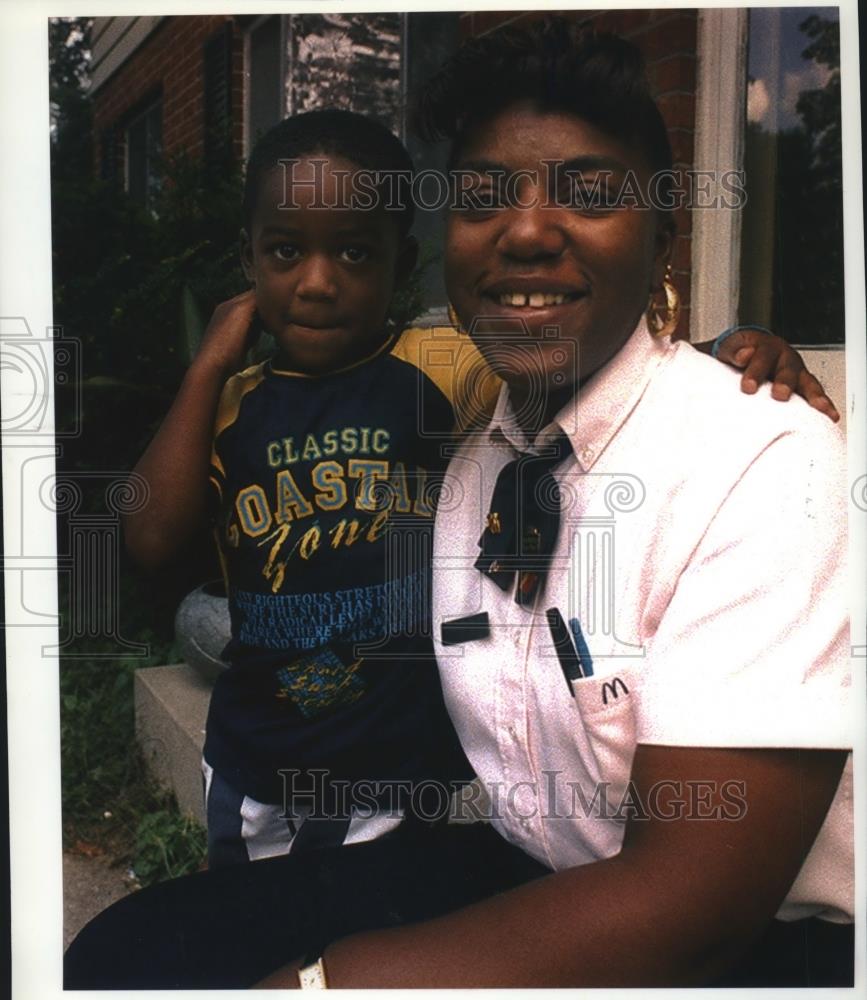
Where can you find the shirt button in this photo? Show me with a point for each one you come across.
(587, 454)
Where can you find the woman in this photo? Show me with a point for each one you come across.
(659, 779)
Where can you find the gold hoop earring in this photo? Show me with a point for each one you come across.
(662, 321)
(453, 318)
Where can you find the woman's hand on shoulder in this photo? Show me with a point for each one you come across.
(229, 335)
(764, 356)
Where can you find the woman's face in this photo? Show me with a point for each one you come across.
(548, 271)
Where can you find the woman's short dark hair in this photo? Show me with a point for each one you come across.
(560, 65)
(333, 132)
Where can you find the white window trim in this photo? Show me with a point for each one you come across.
(719, 140)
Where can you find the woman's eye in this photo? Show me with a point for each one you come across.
(355, 255)
(478, 201)
(593, 195)
(286, 251)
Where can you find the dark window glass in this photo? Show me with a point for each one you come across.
(267, 88)
(792, 235)
(218, 97)
(143, 154)
(109, 163)
(431, 38)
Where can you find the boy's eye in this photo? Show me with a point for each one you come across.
(286, 251)
(354, 254)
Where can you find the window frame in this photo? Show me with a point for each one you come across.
(719, 146)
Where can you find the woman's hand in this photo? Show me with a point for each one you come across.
(229, 335)
(764, 355)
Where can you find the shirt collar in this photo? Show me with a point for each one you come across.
(599, 408)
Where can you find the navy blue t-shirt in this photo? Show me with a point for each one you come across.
(326, 488)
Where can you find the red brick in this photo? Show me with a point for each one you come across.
(678, 110)
(486, 21)
(675, 73)
(623, 22)
(682, 145)
(668, 36)
(681, 257)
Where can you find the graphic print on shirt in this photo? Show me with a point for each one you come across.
(326, 498)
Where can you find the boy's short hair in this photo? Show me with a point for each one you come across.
(557, 63)
(333, 132)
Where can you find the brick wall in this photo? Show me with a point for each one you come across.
(169, 63)
(667, 38)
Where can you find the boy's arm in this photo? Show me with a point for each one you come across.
(763, 355)
(175, 465)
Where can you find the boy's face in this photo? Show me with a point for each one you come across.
(323, 271)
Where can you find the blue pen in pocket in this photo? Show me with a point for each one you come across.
(581, 646)
(570, 664)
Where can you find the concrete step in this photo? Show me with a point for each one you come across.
(171, 707)
(90, 885)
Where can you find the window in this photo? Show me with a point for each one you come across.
(348, 61)
(791, 276)
(300, 62)
(142, 152)
(217, 68)
(266, 100)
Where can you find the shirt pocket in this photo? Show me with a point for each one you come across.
(606, 706)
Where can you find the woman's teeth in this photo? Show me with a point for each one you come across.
(535, 300)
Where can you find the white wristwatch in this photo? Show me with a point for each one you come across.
(312, 977)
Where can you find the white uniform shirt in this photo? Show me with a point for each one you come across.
(701, 551)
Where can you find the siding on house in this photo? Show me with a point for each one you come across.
(113, 41)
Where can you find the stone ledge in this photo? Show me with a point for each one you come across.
(171, 707)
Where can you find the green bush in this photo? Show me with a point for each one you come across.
(167, 846)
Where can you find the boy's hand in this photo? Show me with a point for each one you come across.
(762, 356)
(229, 334)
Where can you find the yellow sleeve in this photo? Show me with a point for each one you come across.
(227, 413)
(453, 363)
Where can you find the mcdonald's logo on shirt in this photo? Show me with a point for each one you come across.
(611, 688)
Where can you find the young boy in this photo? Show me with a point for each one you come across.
(324, 462)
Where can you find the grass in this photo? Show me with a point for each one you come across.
(111, 806)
